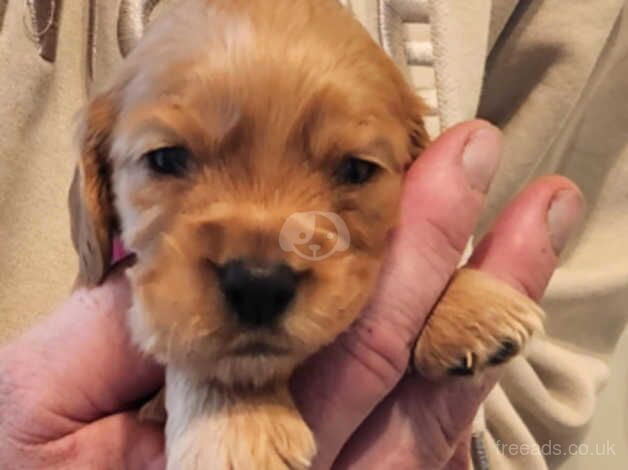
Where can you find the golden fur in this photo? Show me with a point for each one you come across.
(268, 96)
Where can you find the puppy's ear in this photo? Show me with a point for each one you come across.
(418, 137)
(92, 217)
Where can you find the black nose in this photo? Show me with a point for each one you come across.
(258, 295)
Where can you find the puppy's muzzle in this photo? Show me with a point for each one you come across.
(257, 294)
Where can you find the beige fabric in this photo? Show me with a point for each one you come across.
(563, 110)
(556, 81)
(460, 35)
(38, 102)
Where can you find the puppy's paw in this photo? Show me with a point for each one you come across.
(261, 431)
(480, 322)
(285, 444)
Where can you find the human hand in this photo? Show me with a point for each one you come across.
(69, 388)
(365, 412)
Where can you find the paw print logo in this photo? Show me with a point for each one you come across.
(315, 235)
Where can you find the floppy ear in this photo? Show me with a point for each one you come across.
(92, 217)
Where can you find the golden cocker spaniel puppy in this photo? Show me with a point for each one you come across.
(250, 153)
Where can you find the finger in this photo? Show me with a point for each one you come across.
(79, 364)
(443, 195)
(523, 246)
(521, 249)
(116, 441)
(120, 441)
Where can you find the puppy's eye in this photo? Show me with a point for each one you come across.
(355, 171)
(168, 160)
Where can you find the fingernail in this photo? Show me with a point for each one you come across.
(481, 156)
(563, 217)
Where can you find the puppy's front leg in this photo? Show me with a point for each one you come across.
(479, 322)
(212, 427)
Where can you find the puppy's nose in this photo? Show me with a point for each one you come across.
(257, 295)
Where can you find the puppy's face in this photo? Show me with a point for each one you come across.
(251, 155)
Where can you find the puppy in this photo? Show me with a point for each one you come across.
(251, 154)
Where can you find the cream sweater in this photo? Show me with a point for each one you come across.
(552, 74)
